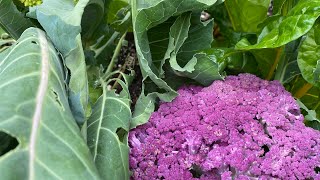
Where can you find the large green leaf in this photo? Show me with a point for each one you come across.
(277, 6)
(296, 23)
(93, 10)
(227, 36)
(246, 15)
(35, 110)
(309, 57)
(187, 36)
(107, 130)
(12, 20)
(61, 21)
(265, 59)
(147, 14)
(283, 6)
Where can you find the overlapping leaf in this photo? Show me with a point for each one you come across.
(108, 129)
(61, 20)
(309, 57)
(246, 15)
(34, 109)
(12, 20)
(296, 23)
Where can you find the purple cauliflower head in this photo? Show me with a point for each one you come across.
(241, 128)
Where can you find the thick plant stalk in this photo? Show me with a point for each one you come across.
(303, 90)
(275, 64)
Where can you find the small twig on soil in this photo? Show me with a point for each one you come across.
(129, 63)
(114, 57)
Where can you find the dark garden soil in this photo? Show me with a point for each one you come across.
(128, 61)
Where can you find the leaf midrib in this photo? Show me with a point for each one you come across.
(41, 94)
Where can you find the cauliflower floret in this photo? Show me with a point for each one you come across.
(240, 128)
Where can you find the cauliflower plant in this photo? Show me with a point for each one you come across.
(240, 128)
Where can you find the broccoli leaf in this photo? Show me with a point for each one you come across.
(34, 109)
(309, 57)
(61, 20)
(296, 23)
(107, 130)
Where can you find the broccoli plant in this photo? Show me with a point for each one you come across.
(240, 128)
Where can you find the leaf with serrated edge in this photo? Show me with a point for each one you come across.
(35, 110)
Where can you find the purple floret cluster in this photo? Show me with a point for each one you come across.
(241, 128)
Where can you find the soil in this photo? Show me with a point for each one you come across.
(128, 61)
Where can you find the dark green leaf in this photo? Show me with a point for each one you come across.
(288, 67)
(91, 18)
(246, 15)
(225, 34)
(12, 20)
(309, 57)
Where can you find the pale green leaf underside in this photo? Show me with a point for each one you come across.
(34, 109)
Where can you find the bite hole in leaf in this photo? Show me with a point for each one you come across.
(122, 133)
(57, 98)
(34, 42)
(7, 143)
